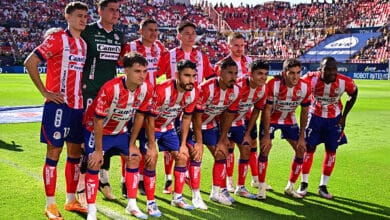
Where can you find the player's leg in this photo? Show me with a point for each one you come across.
(194, 170)
(230, 167)
(168, 166)
(263, 162)
(291, 134)
(104, 176)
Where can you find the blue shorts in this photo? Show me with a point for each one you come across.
(210, 137)
(324, 130)
(166, 141)
(290, 132)
(111, 143)
(61, 123)
(253, 131)
(236, 134)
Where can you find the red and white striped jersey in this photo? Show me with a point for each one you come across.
(169, 103)
(169, 60)
(65, 56)
(152, 55)
(249, 97)
(326, 98)
(285, 100)
(214, 100)
(117, 105)
(243, 66)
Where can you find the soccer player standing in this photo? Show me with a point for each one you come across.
(186, 34)
(105, 121)
(104, 47)
(218, 104)
(327, 119)
(65, 53)
(253, 91)
(285, 94)
(151, 49)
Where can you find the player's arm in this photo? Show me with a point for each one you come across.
(265, 141)
(251, 123)
(151, 153)
(185, 127)
(96, 158)
(31, 64)
(302, 126)
(348, 106)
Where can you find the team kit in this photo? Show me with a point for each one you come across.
(98, 114)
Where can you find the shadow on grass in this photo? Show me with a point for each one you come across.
(10, 146)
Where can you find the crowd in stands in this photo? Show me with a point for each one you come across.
(274, 30)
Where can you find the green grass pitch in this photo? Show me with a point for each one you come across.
(360, 181)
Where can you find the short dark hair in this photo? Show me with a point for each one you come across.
(289, 63)
(234, 35)
(129, 59)
(228, 62)
(73, 6)
(146, 21)
(259, 64)
(182, 64)
(327, 58)
(184, 24)
(103, 3)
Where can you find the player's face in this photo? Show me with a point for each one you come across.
(77, 20)
(187, 36)
(292, 76)
(149, 33)
(136, 74)
(237, 47)
(229, 76)
(187, 79)
(259, 76)
(110, 14)
(328, 71)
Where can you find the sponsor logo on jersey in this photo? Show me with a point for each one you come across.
(108, 48)
(57, 135)
(75, 58)
(109, 56)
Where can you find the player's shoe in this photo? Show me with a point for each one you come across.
(75, 206)
(226, 193)
(181, 203)
(290, 191)
(229, 184)
(261, 194)
(52, 212)
(168, 187)
(141, 188)
(198, 203)
(105, 188)
(323, 191)
(153, 209)
(219, 197)
(302, 190)
(243, 192)
(124, 190)
(136, 212)
(255, 184)
(82, 198)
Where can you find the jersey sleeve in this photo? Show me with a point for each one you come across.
(203, 95)
(306, 100)
(157, 100)
(125, 49)
(234, 107)
(270, 92)
(208, 70)
(189, 109)
(261, 103)
(51, 46)
(146, 105)
(164, 66)
(350, 86)
(103, 102)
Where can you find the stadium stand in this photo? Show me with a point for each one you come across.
(275, 30)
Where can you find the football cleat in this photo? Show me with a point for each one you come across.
(243, 192)
(75, 206)
(323, 191)
(291, 192)
(261, 194)
(136, 212)
(168, 187)
(153, 209)
(52, 212)
(181, 203)
(302, 190)
(105, 188)
(226, 193)
(198, 203)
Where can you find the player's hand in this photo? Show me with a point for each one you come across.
(196, 152)
(265, 144)
(151, 154)
(95, 159)
(221, 149)
(183, 153)
(57, 98)
(301, 145)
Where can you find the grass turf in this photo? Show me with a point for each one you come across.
(360, 181)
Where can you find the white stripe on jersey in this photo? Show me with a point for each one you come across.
(78, 76)
(114, 102)
(64, 65)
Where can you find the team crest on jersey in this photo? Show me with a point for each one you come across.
(142, 96)
(337, 92)
(57, 135)
(116, 37)
(231, 96)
